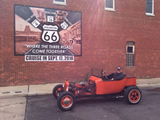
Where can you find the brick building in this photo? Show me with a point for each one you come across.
(113, 33)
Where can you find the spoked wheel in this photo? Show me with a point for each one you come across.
(57, 90)
(66, 101)
(133, 95)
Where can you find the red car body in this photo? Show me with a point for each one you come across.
(112, 86)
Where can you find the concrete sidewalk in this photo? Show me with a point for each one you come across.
(30, 90)
(26, 90)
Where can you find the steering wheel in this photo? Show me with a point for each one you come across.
(105, 77)
(72, 84)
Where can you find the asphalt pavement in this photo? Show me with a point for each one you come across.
(108, 108)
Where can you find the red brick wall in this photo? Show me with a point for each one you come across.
(104, 37)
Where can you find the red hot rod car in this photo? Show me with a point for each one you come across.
(97, 85)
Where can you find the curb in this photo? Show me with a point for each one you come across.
(13, 91)
(149, 85)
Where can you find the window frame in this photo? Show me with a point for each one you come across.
(59, 3)
(133, 46)
(110, 9)
(150, 14)
(130, 62)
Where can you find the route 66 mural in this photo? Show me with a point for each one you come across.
(44, 34)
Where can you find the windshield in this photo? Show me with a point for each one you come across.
(96, 72)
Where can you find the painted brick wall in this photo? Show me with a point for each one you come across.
(104, 37)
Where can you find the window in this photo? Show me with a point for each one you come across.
(150, 7)
(60, 2)
(110, 5)
(130, 54)
(1, 55)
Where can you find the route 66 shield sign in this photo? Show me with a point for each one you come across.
(50, 34)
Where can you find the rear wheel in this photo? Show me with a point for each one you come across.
(57, 90)
(66, 101)
(133, 95)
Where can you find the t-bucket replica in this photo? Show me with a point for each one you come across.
(97, 85)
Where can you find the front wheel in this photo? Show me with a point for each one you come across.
(66, 101)
(57, 90)
(133, 95)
